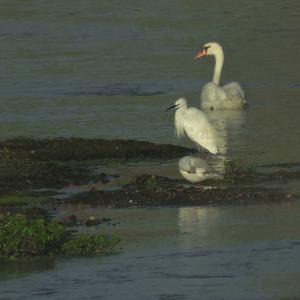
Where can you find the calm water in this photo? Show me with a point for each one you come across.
(106, 69)
(109, 69)
(188, 253)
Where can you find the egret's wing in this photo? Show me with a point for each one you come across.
(179, 120)
(199, 130)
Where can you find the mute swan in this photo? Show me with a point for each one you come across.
(213, 96)
(194, 123)
(195, 169)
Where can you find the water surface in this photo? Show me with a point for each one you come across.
(107, 69)
(177, 253)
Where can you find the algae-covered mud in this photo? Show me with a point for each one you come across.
(39, 177)
(29, 163)
(93, 171)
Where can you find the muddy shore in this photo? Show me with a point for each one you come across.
(43, 166)
(39, 177)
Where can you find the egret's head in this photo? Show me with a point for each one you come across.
(179, 103)
(211, 48)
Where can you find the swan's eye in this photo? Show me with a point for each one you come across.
(206, 48)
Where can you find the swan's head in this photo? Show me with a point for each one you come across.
(211, 48)
(179, 103)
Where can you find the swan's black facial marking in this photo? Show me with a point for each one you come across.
(206, 48)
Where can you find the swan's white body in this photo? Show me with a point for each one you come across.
(193, 122)
(195, 169)
(213, 96)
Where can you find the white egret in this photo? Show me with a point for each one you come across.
(194, 123)
(213, 96)
(195, 169)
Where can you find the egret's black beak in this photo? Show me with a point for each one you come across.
(171, 107)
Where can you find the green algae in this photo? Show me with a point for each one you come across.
(87, 245)
(23, 238)
(21, 199)
(27, 163)
(80, 149)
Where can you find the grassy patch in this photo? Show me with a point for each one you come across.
(23, 238)
(19, 199)
(86, 245)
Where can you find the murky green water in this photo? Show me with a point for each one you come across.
(249, 252)
(109, 69)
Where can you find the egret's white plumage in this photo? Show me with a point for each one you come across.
(213, 96)
(195, 169)
(193, 122)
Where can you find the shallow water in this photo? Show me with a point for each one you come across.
(248, 252)
(106, 69)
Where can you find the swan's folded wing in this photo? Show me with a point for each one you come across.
(234, 89)
(212, 95)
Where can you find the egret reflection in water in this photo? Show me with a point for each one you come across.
(195, 169)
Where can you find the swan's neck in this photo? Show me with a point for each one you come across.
(219, 60)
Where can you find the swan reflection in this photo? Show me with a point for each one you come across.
(228, 124)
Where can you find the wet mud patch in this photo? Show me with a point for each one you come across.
(79, 149)
(27, 163)
(34, 165)
(149, 190)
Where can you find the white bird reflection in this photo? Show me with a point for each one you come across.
(228, 124)
(199, 225)
(195, 169)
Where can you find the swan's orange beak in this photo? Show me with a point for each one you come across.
(200, 54)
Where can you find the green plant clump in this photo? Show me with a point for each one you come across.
(19, 199)
(86, 245)
(21, 237)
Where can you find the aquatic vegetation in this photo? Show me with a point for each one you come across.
(68, 149)
(19, 171)
(150, 182)
(87, 245)
(23, 238)
(34, 163)
(20, 199)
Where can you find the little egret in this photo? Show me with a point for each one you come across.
(195, 169)
(194, 123)
(213, 96)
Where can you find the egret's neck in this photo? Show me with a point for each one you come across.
(219, 60)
